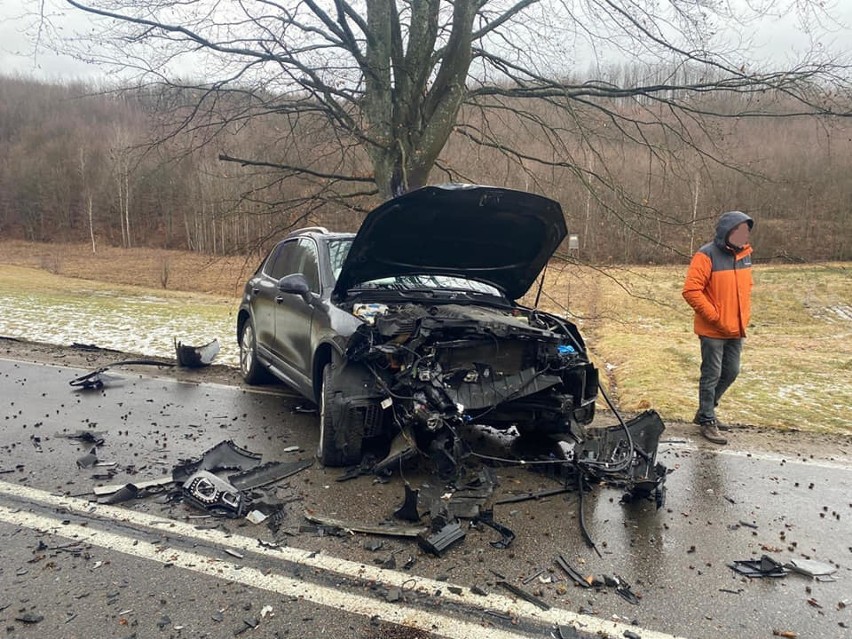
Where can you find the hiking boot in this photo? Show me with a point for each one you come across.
(719, 425)
(710, 432)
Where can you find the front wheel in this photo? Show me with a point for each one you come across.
(250, 368)
(339, 443)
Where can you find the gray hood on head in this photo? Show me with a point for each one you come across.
(727, 222)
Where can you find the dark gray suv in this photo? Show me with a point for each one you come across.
(411, 326)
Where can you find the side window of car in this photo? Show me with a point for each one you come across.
(283, 261)
(309, 264)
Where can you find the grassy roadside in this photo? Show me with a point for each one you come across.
(797, 365)
(797, 362)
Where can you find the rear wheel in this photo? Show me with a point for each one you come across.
(339, 443)
(250, 367)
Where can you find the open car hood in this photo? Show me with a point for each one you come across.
(494, 235)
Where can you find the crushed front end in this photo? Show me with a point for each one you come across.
(440, 366)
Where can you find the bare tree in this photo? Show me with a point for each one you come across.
(378, 88)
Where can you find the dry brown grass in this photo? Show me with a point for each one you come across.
(150, 268)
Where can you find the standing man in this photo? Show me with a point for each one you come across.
(718, 287)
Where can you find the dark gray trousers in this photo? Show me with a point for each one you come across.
(720, 365)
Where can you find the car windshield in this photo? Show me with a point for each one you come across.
(339, 249)
(419, 282)
(337, 252)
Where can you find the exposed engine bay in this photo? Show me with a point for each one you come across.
(446, 364)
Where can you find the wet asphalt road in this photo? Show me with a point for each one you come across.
(153, 568)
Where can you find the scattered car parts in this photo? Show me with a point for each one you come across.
(390, 530)
(766, 566)
(207, 491)
(196, 356)
(441, 538)
(186, 356)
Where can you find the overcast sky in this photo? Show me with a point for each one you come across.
(779, 39)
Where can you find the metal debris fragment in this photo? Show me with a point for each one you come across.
(373, 529)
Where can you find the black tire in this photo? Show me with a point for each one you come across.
(339, 444)
(250, 368)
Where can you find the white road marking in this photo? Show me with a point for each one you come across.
(320, 595)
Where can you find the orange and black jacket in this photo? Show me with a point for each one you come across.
(718, 283)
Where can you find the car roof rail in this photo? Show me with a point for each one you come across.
(311, 229)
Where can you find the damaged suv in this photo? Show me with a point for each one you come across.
(412, 325)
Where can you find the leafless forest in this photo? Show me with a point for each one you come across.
(77, 163)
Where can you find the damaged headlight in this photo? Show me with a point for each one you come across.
(207, 491)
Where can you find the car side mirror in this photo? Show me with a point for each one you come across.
(296, 284)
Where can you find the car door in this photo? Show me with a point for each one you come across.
(293, 315)
(264, 290)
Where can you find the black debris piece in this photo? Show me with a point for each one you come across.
(89, 459)
(437, 542)
(196, 356)
(307, 409)
(125, 493)
(89, 381)
(626, 455)
(479, 590)
(523, 594)
(508, 536)
(401, 451)
(215, 495)
(268, 473)
(164, 621)
(468, 499)
(356, 471)
(528, 579)
(249, 623)
(766, 566)
(571, 572)
(373, 529)
(151, 486)
(96, 379)
(629, 634)
(536, 495)
(30, 617)
(566, 632)
(373, 544)
(275, 519)
(622, 589)
(408, 510)
(225, 455)
(85, 436)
